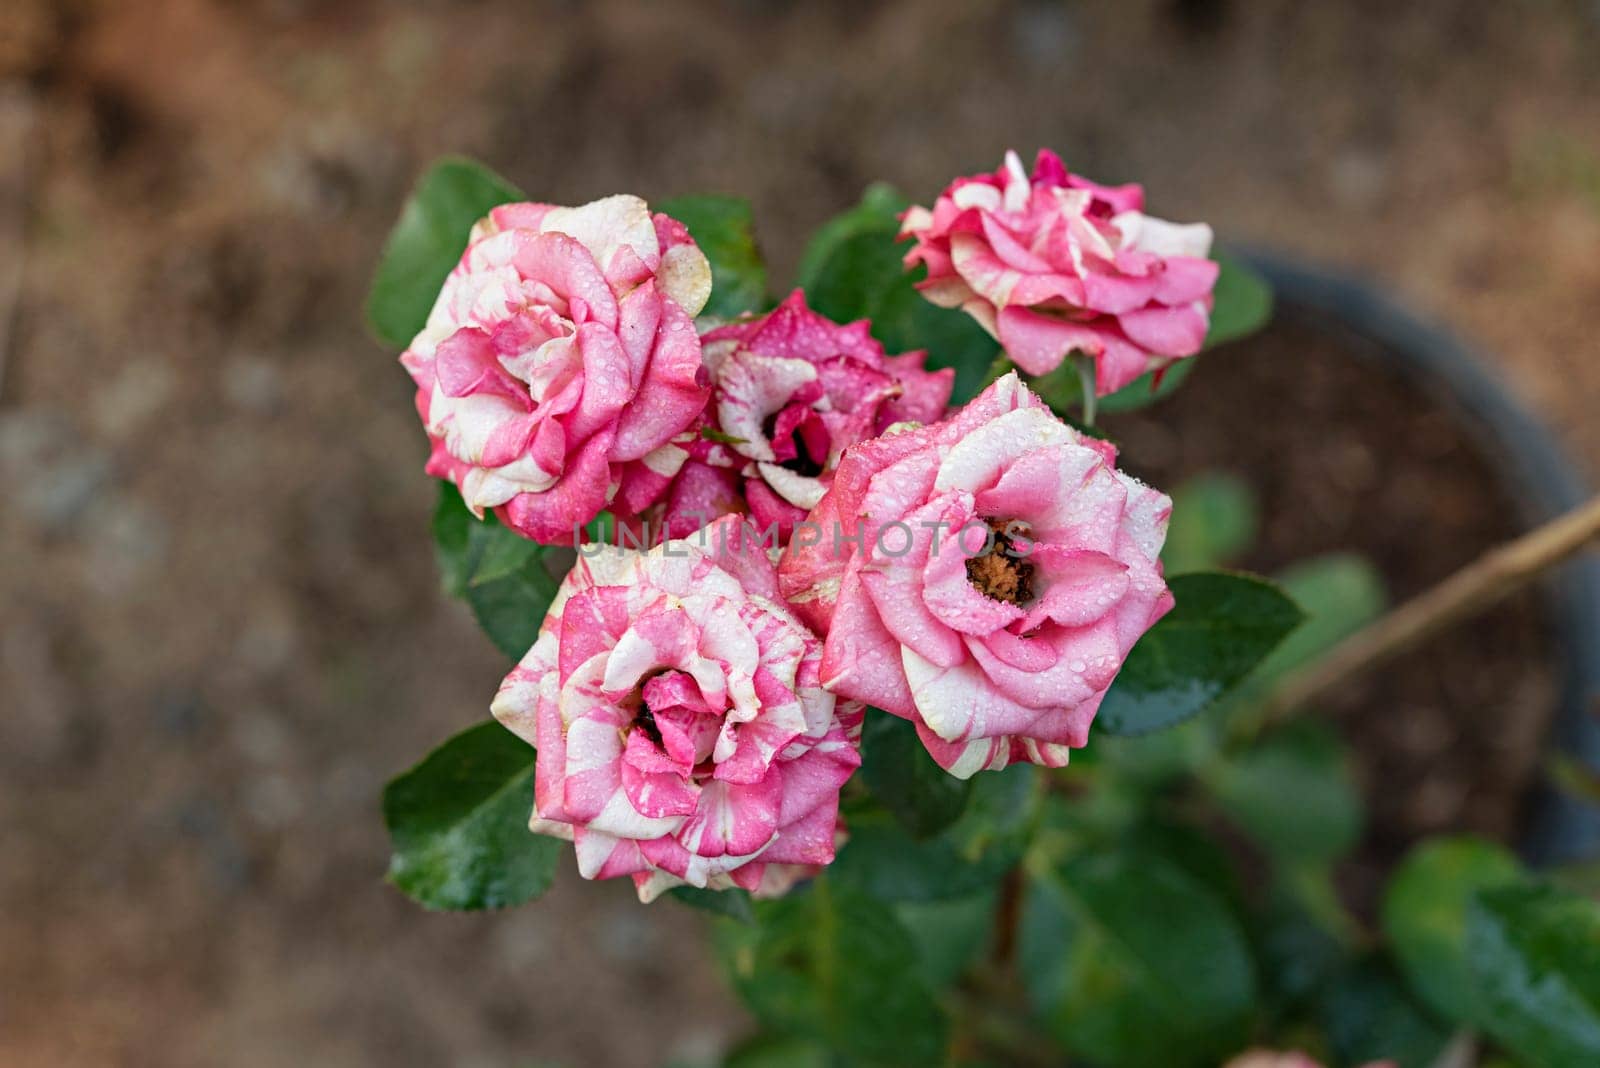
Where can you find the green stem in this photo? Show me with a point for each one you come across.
(1086, 376)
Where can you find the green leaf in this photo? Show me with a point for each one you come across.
(1340, 593)
(725, 231)
(1371, 1018)
(733, 903)
(504, 578)
(1292, 792)
(1132, 962)
(1242, 302)
(883, 860)
(1214, 519)
(427, 242)
(1062, 388)
(1222, 626)
(1534, 953)
(905, 780)
(1425, 916)
(458, 823)
(831, 963)
(880, 208)
(853, 270)
(1299, 957)
(778, 1051)
(948, 934)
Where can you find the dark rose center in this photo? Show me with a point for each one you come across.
(802, 463)
(999, 573)
(643, 718)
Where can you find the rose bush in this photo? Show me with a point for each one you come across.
(983, 577)
(560, 365)
(1053, 264)
(684, 736)
(790, 391)
(692, 716)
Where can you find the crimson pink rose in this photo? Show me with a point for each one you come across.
(684, 735)
(1055, 264)
(983, 577)
(790, 391)
(560, 367)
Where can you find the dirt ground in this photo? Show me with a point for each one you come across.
(219, 624)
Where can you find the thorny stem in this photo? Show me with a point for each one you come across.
(1484, 582)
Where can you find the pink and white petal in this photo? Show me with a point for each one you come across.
(673, 393)
(980, 458)
(1175, 332)
(861, 659)
(556, 516)
(607, 225)
(569, 270)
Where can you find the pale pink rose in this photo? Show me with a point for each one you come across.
(684, 735)
(790, 391)
(998, 649)
(559, 368)
(1055, 264)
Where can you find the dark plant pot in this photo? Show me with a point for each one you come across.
(1538, 477)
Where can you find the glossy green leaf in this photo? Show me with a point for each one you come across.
(725, 231)
(853, 270)
(1425, 916)
(426, 243)
(1131, 962)
(1534, 954)
(1214, 519)
(905, 780)
(885, 861)
(831, 963)
(1370, 1017)
(1221, 627)
(504, 578)
(1293, 793)
(458, 824)
(1242, 302)
(733, 903)
(879, 209)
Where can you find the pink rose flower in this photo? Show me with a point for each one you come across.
(683, 732)
(1057, 264)
(983, 577)
(559, 368)
(790, 391)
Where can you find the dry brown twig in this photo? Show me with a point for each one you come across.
(1482, 583)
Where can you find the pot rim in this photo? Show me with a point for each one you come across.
(1541, 479)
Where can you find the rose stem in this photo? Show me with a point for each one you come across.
(1086, 379)
(1492, 577)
